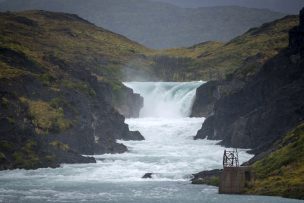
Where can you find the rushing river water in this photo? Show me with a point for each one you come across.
(168, 151)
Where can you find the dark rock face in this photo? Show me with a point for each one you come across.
(207, 129)
(128, 103)
(207, 177)
(147, 175)
(206, 96)
(95, 127)
(296, 37)
(53, 108)
(268, 105)
(209, 93)
(20, 146)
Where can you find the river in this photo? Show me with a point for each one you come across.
(168, 151)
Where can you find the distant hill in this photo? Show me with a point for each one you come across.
(290, 6)
(156, 24)
(250, 50)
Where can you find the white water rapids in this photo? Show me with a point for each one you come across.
(166, 99)
(168, 151)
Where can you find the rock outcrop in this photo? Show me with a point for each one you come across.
(211, 177)
(266, 105)
(55, 104)
(206, 96)
(128, 103)
(147, 176)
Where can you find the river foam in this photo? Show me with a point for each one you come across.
(168, 151)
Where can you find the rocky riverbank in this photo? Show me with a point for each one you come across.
(265, 112)
(58, 93)
(255, 111)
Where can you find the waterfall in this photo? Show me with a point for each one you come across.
(168, 151)
(166, 99)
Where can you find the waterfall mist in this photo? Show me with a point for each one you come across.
(166, 99)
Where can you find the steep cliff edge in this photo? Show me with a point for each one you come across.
(257, 110)
(58, 80)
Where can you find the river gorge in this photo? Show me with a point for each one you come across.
(168, 151)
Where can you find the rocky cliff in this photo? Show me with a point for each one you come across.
(127, 102)
(57, 85)
(265, 112)
(254, 111)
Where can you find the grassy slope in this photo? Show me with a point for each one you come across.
(155, 24)
(48, 42)
(52, 49)
(282, 172)
(215, 58)
(68, 38)
(78, 43)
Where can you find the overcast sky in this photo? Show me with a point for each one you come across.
(285, 6)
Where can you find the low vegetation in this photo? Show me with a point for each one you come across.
(215, 60)
(213, 180)
(59, 145)
(46, 118)
(50, 43)
(281, 172)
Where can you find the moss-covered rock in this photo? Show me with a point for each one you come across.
(27, 156)
(46, 118)
(281, 173)
(211, 177)
(58, 77)
(59, 145)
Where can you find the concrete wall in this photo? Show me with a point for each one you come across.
(234, 179)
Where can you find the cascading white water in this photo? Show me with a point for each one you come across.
(168, 151)
(166, 99)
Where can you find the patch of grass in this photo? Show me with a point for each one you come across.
(11, 120)
(4, 102)
(59, 145)
(2, 157)
(194, 52)
(27, 157)
(213, 180)
(81, 86)
(282, 172)
(46, 79)
(58, 102)
(6, 72)
(6, 146)
(46, 118)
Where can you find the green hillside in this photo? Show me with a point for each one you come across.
(214, 59)
(77, 43)
(60, 77)
(156, 24)
(48, 38)
(281, 172)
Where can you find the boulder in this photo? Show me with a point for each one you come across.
(147, 175)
